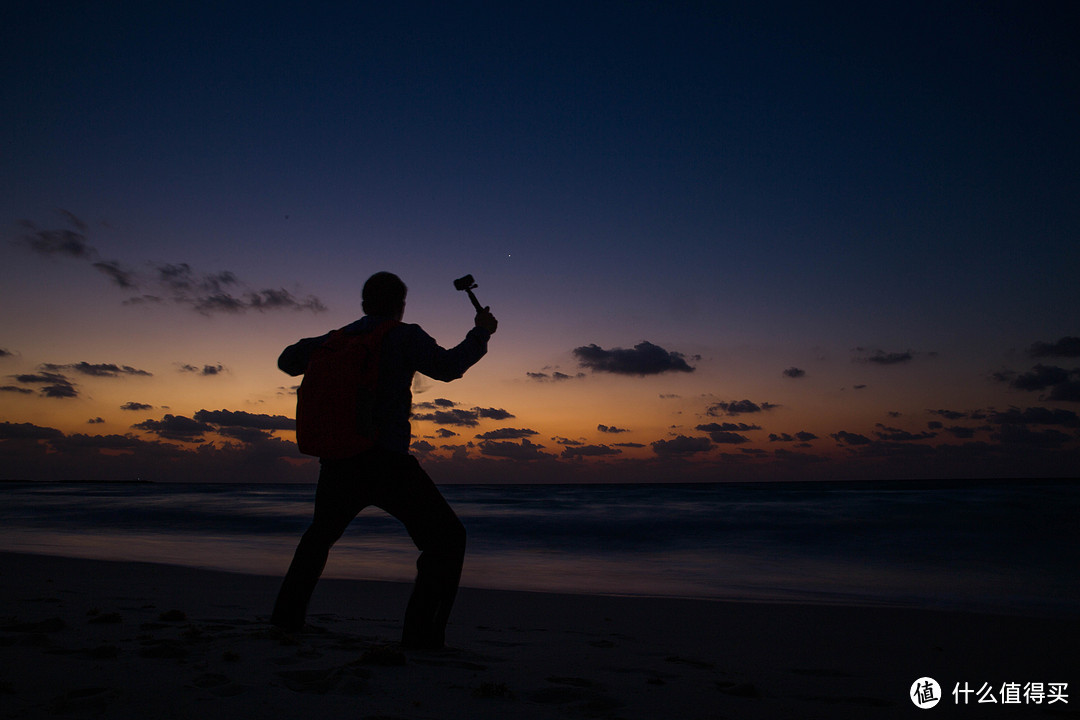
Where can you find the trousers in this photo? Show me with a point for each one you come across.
(396, 483)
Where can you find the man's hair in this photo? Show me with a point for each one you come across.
(384, 294)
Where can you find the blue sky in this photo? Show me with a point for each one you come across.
(881, 197)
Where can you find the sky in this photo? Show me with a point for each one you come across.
(725, 242)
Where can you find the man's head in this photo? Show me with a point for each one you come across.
(384, 295)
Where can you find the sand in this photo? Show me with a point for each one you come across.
(86, 638)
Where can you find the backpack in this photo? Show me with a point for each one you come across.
(335, 403)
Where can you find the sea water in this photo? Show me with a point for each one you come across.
(994, 546)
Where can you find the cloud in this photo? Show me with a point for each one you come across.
(553, 377)
(799, 436)
(436, 403)
(727, 433)
(513, 451)
(611, 429)
(206, 293)
(644, 359)
(16, 389)
(27, 431)
(239, 418)
(794, 372)
(444, 433)
(53, 385)
(682, 445)
(245, 434)
(98, 369)
(579, 451)
(206, 370)
(891, 434)
(136, 406)
(880, 357)
(96, 421)
(176, 427)
(1059, 381)
(1065, 347)
(63, 243)
(848, 438)
(4, 353)
(727, 427)
(492, 413)
(1021, 435)
(949, 414)
(455, 416)
(960, 432)
(120, 276)
(507, 434)
(1035, 416)
(738, 407)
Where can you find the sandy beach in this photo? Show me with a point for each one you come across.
(86, 638)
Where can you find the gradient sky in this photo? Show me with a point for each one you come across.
(773, 242)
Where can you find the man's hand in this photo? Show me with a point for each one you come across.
(486, 320)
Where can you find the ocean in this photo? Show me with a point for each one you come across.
(990, 546)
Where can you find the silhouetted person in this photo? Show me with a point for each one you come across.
(385, 475)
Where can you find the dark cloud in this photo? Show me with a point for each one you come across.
(455, 416)
(727, 427)
(422, 447)
(444, 433)
(960, 432)
(98, 369)
(644, 359)
(27, 431)
(728, 438)
(205, 370)
(847, 438)
(949, 414)
(794, 372)
(6, 353)
(727, 433)
(513, 451)
(245, 434)
(53, 385)
(1035, 416)
(507, 434)
(566, 441)
(176, 427)
(16, 389)
(96, 421)
(553, 377)
(136, 406)
(799, 436)
(611, 429)
(579, 451)
(206, 293)
(239, 418)
(738, 407)
(1064, 385)
(892, 434)
(1024, 436)
(682, 445)
(63, 243)
(880, 357)
(492, 413)
(628, 445)
(1065, 347)
(121, 277)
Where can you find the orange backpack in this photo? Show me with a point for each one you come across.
(335, 403)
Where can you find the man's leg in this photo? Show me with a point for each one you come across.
(338, 499)
(408, 493)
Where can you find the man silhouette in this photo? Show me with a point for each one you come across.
(386, 475)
